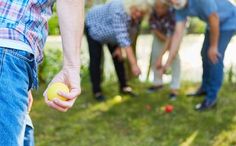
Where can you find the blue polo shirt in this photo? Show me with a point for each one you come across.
(225, 9)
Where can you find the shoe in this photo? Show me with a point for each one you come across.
(154, 88)
(199, 92)
(173, 96)
(99, 97)
(128, 91)
(205, 105)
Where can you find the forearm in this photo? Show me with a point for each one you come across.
(160, 35)
(175, 42)
(131, 56)
(214, 30)
(71, 20)
(165, 48)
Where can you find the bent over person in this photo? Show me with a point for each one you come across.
(220, 16)
(108, 24)
(23, 32)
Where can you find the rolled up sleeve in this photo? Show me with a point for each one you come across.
(181, 15)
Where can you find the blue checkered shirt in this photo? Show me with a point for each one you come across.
(25, 21)
(109, 23)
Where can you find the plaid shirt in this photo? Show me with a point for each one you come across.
(25, 21)
(109, 23)
(165, 24)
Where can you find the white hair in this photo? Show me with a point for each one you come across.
(143, 5)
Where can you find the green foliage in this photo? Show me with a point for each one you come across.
(53, 23)
(145, 28)
(51, 65)
(230, 74)
(196, 26)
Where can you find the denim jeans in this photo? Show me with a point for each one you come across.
(212, 77)
(16, 78)
(29, 132)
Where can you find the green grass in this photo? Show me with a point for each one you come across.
(129, 123)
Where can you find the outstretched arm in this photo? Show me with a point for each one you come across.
(71, 20)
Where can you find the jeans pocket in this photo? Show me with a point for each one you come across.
(29, 60)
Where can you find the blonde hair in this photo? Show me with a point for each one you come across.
(143, 5)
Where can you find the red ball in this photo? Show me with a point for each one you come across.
(169, 108)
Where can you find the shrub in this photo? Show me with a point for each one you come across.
(51, 65)
(196, 26)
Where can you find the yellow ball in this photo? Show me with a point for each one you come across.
(53, 90)
(118, 98)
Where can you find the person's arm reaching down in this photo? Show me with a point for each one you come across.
(71, 20)
(175, 43)
(160, 35)
(213, 53)
(132, 60)
(163, 51)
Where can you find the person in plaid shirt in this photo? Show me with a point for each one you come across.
(23, 32)
(108, 24)
(162, 23)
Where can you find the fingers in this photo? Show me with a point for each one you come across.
(60, 105)
(117, 54)
(64, 104)
(73, 94)
(136, 70)
(57, 107)
(213, 58)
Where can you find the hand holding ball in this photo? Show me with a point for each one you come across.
(53, 90)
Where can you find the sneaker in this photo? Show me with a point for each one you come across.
(154, 88)
(205, 105)
(173, 96)
(99, 97)
(128, 91)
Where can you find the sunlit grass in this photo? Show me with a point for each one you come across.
(128, 122)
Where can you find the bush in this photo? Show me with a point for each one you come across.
(196, 26)
(51, 65)
(54, 24)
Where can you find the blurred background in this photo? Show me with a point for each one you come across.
(139, 121)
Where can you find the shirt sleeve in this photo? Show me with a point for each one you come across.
(208, 7)
(181, 15)
(121, 30)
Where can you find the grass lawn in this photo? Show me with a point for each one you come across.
(130, 123)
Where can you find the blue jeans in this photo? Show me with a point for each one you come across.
(212, 77)
(16, 78)
(29, 133)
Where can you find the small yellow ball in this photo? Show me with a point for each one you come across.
(118, 98)
(53, 90)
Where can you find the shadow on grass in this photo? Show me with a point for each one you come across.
(137, 121)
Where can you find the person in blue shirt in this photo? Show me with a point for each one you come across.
(108, 24)
(220, 16)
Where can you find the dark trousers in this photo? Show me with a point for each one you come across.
(95, 68)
